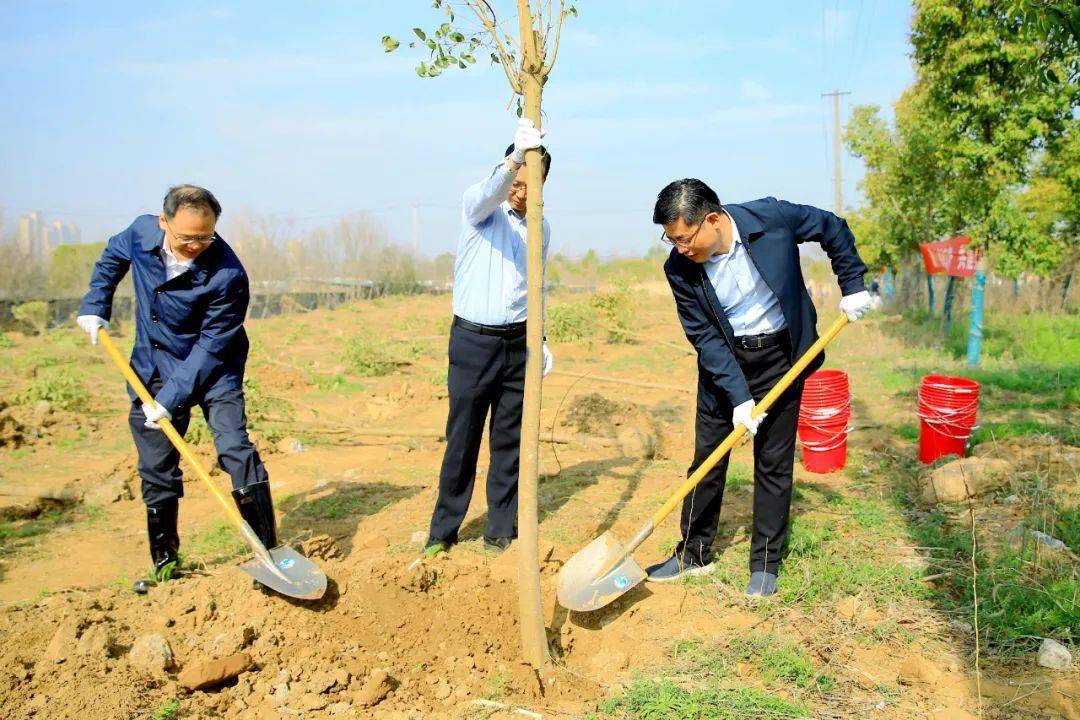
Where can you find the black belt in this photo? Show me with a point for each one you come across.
(512, 330)
(757, 342)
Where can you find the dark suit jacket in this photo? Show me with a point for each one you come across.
(772, 230)
(189, 330)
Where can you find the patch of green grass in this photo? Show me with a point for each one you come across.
(15, 534)
(1018, 428)
(665, 700)
(867, 513)
(497, 687)
(216, 542)
(570, 323)
(780, 661)
(367, 356)
(1067, 526)
(5, 341)
(739, 475)
(59, 387)
(700, 658)
(169, 711)
(92, 513)
(1020, 599)
(198, 431)
(907, 432)
(613, 311)
(121, 582)
(439, 376)
(822, 564)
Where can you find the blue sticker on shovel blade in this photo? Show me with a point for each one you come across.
(286, 563)
(621, 582)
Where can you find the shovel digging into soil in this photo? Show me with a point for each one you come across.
(281, 569)
(604, 570)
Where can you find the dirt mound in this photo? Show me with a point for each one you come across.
(22, 424)
(385, 636)
(637, 433)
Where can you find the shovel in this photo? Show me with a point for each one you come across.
(281, 569)
(603, 570)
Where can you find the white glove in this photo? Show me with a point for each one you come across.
(857, 305)
(548, 362)
(741, 416)
(154, 413)
(527, 137)
(91, 324)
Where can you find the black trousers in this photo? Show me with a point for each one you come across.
(159, 461)
(487, 372)
(774, 461)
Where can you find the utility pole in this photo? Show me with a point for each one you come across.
(838, 199)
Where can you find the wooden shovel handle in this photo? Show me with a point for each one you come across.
(170, 431)
(733, 438)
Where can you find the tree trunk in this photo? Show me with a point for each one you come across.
(533, 634)
(946, 306)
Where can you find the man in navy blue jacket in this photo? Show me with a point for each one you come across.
(190, 350)
(738, 286)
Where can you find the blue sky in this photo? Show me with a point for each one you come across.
(291, 111)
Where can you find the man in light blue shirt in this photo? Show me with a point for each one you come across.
(487, 349)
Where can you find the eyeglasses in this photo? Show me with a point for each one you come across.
(192, 239)
(681, 243)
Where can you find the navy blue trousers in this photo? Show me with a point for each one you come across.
(159, 461)
(487, 374)
(774, 462)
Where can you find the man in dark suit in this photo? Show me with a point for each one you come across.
(738, 286)
(191, 296)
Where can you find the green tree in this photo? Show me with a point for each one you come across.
(998, 95)
(70, 268)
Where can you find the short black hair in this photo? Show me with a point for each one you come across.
(689, 200)
(191, 196)
(545, 156)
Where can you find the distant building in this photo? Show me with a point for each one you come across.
(37, 238)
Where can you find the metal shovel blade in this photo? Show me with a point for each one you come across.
(292, 574)
(581, 587)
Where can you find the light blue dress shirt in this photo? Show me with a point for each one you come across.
(490, 268)
(750, 306)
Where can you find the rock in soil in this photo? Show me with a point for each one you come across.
(962, 479)
(376, 687)
(151, 654)
(1054, 655)
(210, 673)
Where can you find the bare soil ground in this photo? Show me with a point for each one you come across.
(353, 461)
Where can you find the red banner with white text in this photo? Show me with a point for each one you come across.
(950, 257)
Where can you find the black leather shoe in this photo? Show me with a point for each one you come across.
(497, 545)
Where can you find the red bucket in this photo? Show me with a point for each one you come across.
(824, 443)
(824, 414)
(947, 409)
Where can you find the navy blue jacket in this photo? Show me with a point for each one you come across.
(190, 330)
(772, 230)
